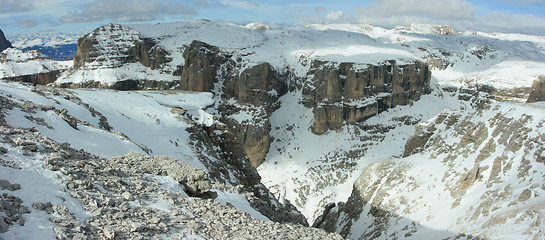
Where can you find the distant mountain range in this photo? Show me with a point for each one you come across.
(58, 46)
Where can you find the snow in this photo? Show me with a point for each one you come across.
(25, 40)
(14, 62)
(238, 202)
(143, 116)
(300, 158)
(38, 185)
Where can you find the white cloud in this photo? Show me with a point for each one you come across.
(127, 10)
(332, 16)
(436, 9)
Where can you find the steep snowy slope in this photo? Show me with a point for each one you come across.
(477, 172)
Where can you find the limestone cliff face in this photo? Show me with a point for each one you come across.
(352, 93)
(257, 87)
(30, 66)
(113, 45)
(38, 78)
(201, 63)
(538, 90)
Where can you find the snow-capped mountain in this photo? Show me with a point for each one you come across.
(58, 46)
(325, 113)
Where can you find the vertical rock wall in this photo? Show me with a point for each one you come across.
(353, 93)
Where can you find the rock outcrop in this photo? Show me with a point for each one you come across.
(38, 78)
(113, 45)
(30, 66)
(352, 93)
(4, 43)
(201, 64)
(538, 90)
(256, 89)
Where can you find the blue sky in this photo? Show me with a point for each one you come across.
(514, 16)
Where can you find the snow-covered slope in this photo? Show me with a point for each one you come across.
(476, 173)
(14, 62)
(108, 123)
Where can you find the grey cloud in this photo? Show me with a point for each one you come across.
(443, 9)
(26, 23)
(11, 6)
(515, 23)
(128, 11)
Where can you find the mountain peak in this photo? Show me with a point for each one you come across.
(4, 43)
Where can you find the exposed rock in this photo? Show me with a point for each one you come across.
(121, 193)
(4, 43)
(12, 210)
(353, 93)
(38, 78)
(421, 135)
(258, 85)
(482, 164)
(235, 162)
(126, 85)
(113, 45)
(194, 179)
(44, 72)
(538, 90)
(201, 63)
(4, 184)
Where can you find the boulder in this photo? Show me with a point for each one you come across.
(538, 91)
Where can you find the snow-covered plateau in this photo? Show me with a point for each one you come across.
(212, 130)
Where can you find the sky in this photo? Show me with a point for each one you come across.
(507, 16)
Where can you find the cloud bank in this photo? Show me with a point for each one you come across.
(456, 13)
(127, 11)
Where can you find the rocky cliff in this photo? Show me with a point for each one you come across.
(113, 45)
(119, 57)
(4, 43)
(351, 93)
(31, 67)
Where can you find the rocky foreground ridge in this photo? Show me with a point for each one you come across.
(132, 196)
